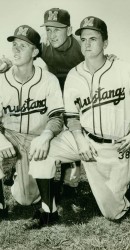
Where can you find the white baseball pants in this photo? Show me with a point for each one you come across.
(108, 177)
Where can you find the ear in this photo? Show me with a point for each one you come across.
(105, 44)
(35, 52)
(69, 31)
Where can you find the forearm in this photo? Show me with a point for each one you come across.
(55, 125)
(78, 136)
(75, 127)
(73, 124)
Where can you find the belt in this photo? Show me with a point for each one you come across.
(98, 139)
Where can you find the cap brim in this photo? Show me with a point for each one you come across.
(53, 24)
(11, 39)
(78, 32)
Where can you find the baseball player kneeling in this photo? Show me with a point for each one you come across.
(30, 111)
(97, 101)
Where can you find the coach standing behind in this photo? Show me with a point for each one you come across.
(63, 51)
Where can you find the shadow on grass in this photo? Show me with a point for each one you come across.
(17, 211)
(77, 208)
(74, 208)
(80, 208)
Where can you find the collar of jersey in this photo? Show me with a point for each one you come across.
(35, 79)
(102, 68)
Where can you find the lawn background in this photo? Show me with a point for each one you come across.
(81, 226)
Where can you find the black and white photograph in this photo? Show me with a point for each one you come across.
(64, 125)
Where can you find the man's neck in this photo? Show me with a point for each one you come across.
(23, 73)
(93, 64)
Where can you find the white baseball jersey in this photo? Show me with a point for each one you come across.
(26, 108)
(102, 100)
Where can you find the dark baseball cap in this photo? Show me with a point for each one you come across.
(56, 17)
(26, 33)
(93, 23)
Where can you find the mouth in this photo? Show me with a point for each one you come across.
(54, 41)
(16, 56)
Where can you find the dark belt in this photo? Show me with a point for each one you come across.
(98, 139)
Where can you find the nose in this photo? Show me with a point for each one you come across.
(87, 43)
(16, 48)
(53, 35)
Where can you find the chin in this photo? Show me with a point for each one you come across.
(88, 54)
(17, 63)
(55, 45)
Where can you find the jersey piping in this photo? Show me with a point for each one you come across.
(93, 106)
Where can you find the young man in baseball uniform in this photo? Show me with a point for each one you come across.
(31, 109)
(97, 100)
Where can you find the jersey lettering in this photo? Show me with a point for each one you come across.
(101, 98)
(29, 106)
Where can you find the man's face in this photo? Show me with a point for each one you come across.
(23, 52)
(92, 44)
(57, 36)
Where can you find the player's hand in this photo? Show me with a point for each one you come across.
(86, 151)
(40, 147)
(7, 153)
(125, 143)
(6, 148)
(112, 57)
(5, 64)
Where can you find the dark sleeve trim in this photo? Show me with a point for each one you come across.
(58, 110)
(71, 114)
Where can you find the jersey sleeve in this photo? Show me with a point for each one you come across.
(71, 109)
(54, 97)
(55, 106)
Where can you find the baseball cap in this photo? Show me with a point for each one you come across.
(56, 17)
(26, 33)
(93, 23)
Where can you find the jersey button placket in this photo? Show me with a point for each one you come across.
(20, 106)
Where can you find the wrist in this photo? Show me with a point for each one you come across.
(48, 133)
(78, 136)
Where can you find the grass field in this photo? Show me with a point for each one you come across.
(79, 228)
